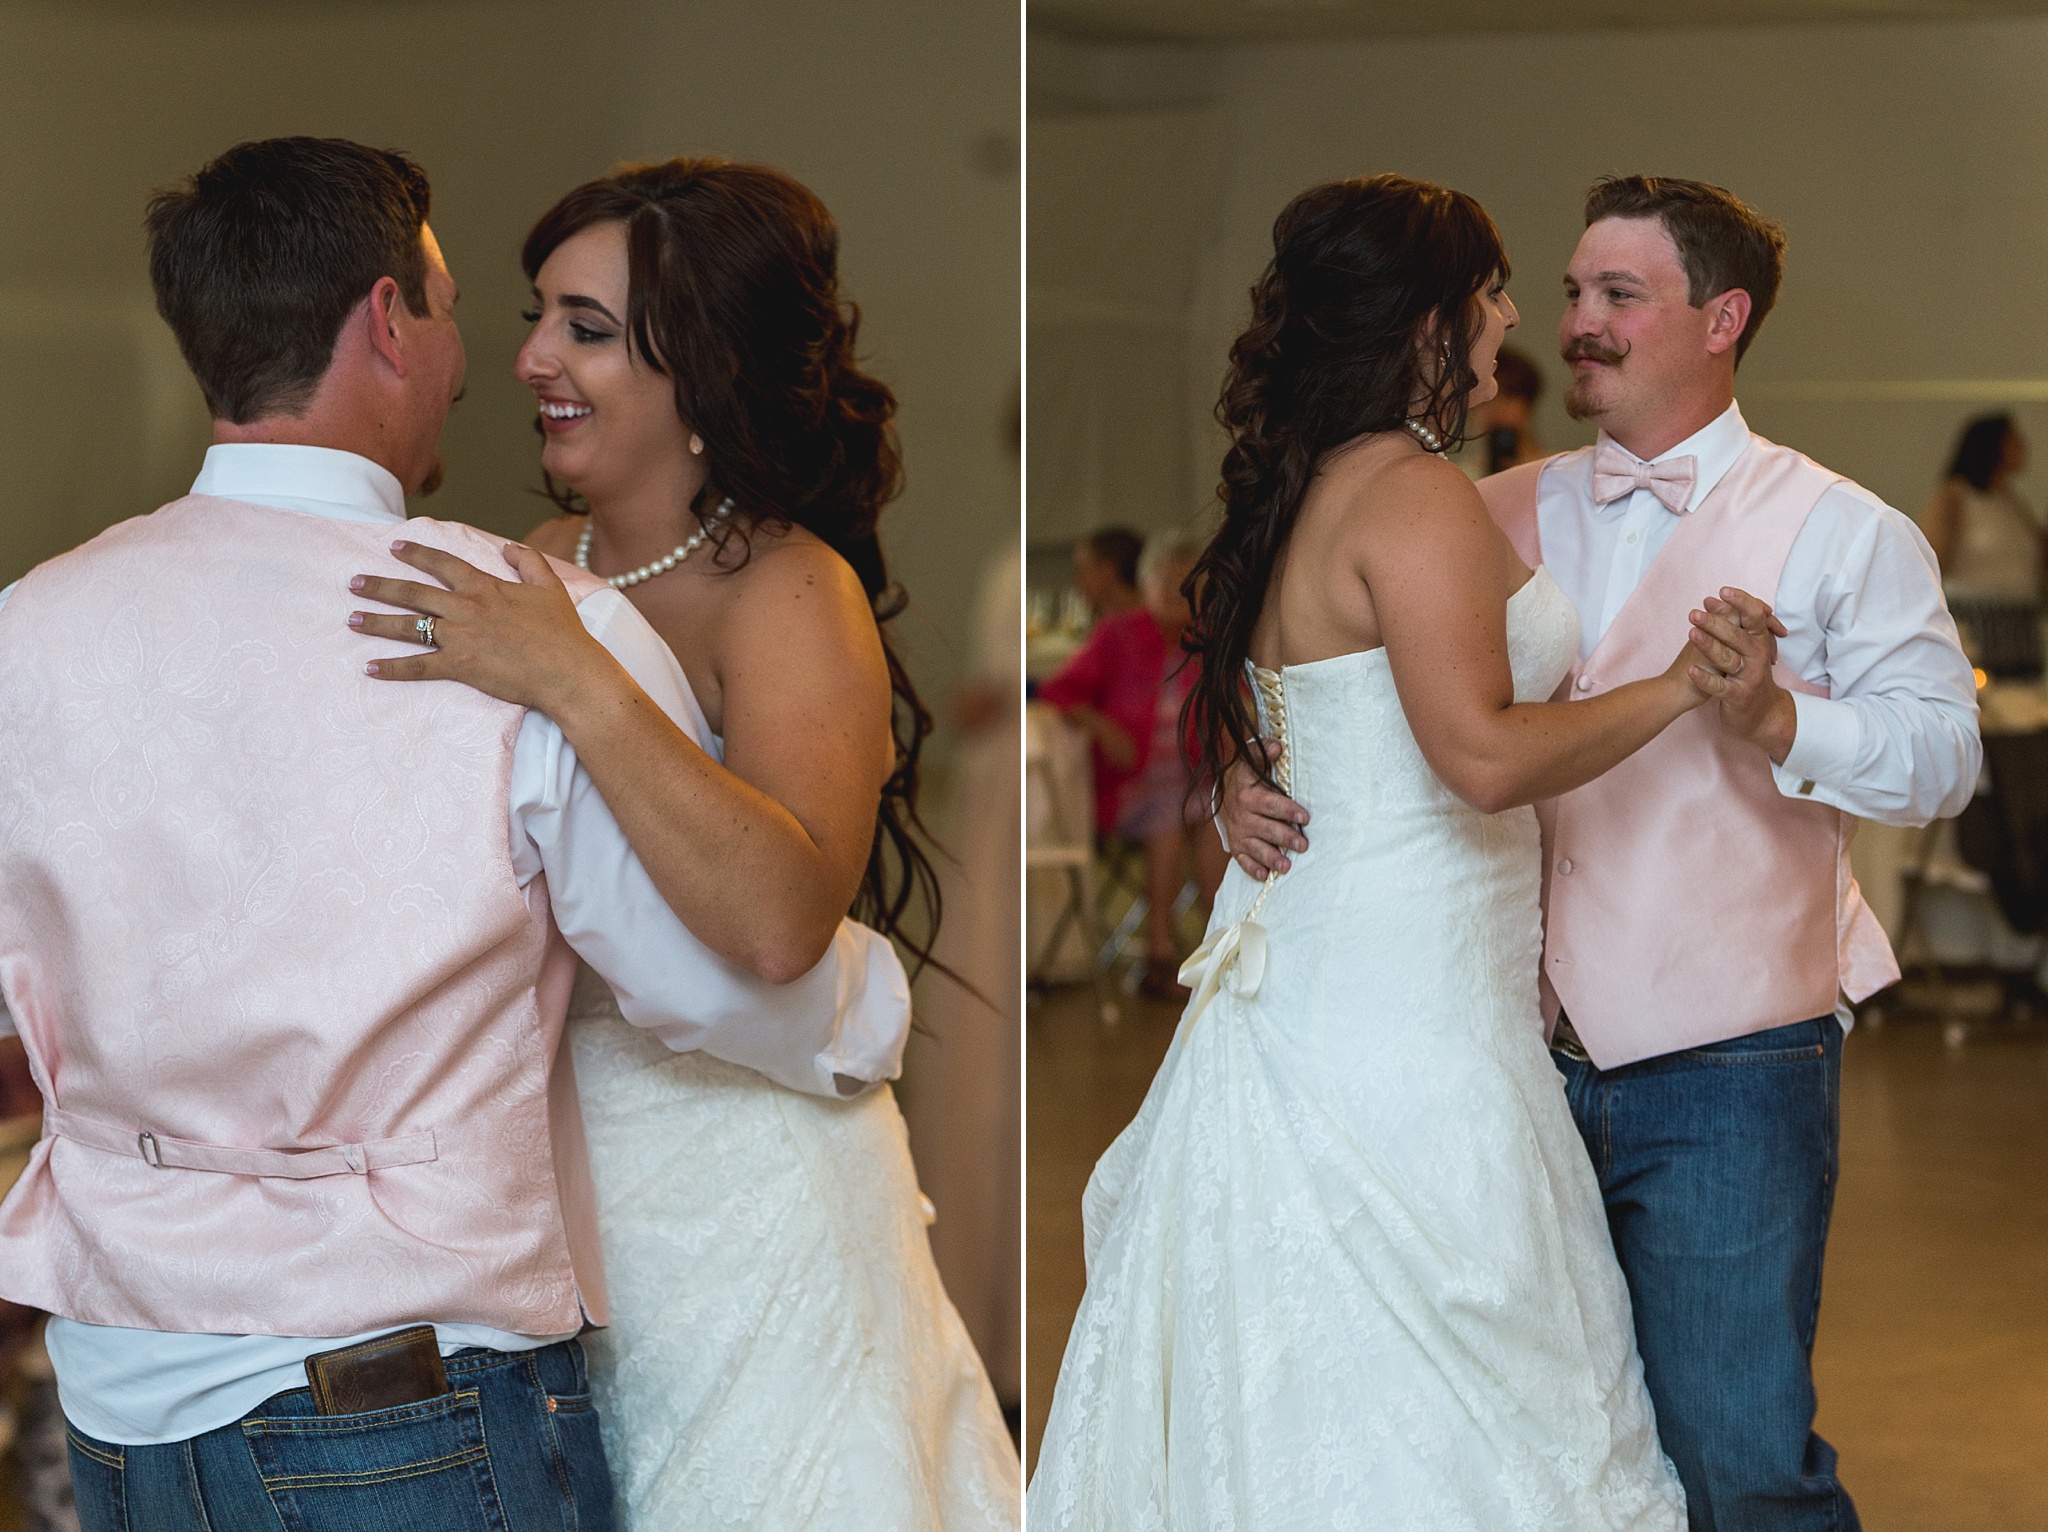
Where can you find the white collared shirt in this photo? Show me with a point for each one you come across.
(849, 1017)
(1895, 738)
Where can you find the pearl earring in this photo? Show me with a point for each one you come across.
(696, 445)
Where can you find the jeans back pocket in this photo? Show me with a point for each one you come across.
(415, 1468)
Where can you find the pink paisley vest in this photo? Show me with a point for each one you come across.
(1686, 899)
(293, 1018)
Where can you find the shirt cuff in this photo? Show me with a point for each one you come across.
(1824, 746)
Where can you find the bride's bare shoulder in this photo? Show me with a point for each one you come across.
(1396, 486)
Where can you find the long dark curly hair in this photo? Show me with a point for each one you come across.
(1364, 319)
(733, 294)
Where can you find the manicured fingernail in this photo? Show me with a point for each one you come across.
(356, 583)
(400, 547)
(370, 669)
(355, 619)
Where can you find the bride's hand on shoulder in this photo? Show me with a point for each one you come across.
(517, 640)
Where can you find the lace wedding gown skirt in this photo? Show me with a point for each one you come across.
(781, 1355)
(1349, 1266)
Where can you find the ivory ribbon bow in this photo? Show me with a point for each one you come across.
(1617, 473)
(1232, 958)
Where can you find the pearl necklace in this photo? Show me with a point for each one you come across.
(1423, 434)
(666, 562)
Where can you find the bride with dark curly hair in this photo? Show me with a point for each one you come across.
(780, 1353)
(1349, 1265)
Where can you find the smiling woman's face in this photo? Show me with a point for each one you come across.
(610, 418)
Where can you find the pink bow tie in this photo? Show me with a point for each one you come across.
(1616, 473)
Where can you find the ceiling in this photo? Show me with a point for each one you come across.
(1269, 20)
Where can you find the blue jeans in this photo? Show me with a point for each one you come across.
(1718, 1168)
(513, 1447)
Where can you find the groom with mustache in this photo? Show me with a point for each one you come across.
(1701, 927)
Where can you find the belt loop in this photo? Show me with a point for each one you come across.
(151, 1150)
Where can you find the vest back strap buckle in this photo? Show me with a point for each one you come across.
(166, 1153)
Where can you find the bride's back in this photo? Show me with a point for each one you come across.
(1368, 516)
(1372, 329)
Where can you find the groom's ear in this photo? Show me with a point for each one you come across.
(381, 315)
(1727, 317)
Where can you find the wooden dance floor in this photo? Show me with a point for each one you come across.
(1933, 1354)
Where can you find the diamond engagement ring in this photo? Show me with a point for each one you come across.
(425, 627)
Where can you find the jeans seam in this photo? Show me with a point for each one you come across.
(560, 1463)
(116, 1461)
(117, 1490)
(417, 1470)
(1735, 1060)
(494, 1508)
(325, 1425)
(192, 1486)
(1604, 1103)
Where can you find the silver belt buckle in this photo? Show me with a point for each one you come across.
(1564, 1040)
(152, 1152)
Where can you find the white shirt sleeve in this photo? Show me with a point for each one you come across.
(834, 1032)
(1895, 739)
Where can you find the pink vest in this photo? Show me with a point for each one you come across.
(1686, 899)
(292, 1016)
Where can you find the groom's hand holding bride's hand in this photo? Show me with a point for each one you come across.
(1260, 825)
(1739, 634)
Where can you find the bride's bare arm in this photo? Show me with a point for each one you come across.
(761, 856)
(1437, 571)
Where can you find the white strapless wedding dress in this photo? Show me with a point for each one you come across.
(1349, 1267)
(781, 1356)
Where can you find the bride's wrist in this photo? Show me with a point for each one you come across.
(583, 693)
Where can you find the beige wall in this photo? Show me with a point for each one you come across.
(902, 116)
(1119, 205)
(1906, 159)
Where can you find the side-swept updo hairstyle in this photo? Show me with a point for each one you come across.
(733, 294)
(1364, 319)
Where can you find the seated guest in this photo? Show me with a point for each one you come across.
(1106, 570)
(1990, 547)
(1124, 688)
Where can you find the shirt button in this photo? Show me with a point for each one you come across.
(1565, 866)
(1631, 537)
(1585, 683)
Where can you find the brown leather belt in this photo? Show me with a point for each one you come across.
(403, 1367)
(1565, 1040)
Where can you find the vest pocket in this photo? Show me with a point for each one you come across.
(415, 1466)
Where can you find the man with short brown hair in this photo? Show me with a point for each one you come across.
(290, 950)
(1701, 923)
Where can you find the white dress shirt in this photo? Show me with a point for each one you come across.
(836, 1030)
(1895, 737)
